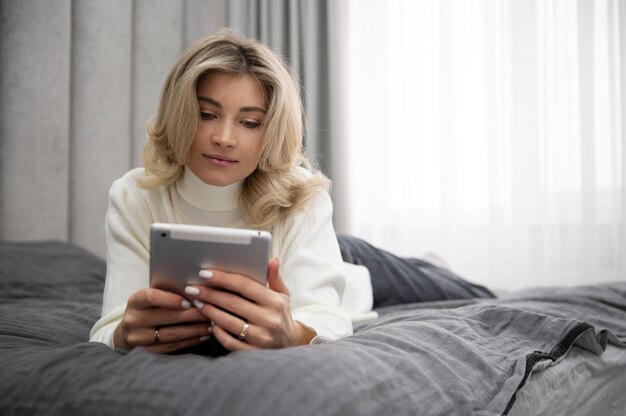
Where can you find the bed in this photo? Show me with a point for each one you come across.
(440, 346)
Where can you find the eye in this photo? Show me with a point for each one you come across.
(250, 124)
(206, 116)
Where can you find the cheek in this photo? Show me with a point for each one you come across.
(196, 140)
(255, 150)
(257, 157)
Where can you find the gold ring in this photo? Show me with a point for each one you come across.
(156, 336)
(244, 331)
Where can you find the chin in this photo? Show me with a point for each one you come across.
(215, 177)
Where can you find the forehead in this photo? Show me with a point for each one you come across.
(224, 87)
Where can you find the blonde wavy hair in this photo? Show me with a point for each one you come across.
(284, 180)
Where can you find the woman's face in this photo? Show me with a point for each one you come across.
(227, 145)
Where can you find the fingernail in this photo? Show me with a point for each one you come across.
(206, 338)
(210, 329)
(190, 290)
(205, 274)
(185, 304)
(198, 303)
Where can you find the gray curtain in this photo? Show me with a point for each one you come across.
(78, 81)
(80, 78)
(309, 34)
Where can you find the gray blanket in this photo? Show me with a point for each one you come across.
(461, 357)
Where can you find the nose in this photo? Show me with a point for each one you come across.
(224, 136)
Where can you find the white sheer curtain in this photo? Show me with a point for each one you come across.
(490, 132)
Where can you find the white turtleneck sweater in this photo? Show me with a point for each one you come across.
(305, 242)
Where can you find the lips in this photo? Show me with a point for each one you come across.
(219, 160)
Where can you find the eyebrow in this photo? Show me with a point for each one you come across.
(247, 109)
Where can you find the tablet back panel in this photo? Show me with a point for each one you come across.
(178, 252)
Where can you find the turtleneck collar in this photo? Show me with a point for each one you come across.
(208, 197)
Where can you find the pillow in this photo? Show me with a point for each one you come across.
(50, 293)
(49, 270)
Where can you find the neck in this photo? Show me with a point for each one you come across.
(208, 197)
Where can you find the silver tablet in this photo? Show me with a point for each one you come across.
(178, 252)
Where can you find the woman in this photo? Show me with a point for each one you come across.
(225, 149)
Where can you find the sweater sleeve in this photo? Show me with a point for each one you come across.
(312, 267)
(127, 236)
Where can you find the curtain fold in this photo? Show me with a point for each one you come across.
(497, 139)
(310, 36)
(79, 80)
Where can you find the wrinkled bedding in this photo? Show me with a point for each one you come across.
(598, 383)
(463, 356)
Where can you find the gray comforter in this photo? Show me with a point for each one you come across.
(452, 357)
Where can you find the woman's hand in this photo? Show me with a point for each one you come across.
(161, 321)
(247, 314)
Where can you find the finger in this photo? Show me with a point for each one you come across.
(230, 342)
(157, 298)
(274, 280)
(158, 317)
(223, 319)
(241, 285)
(227, 301)
(170, 335)
(257, 333)
(174, 346)
(178, 333)
(233, 282)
